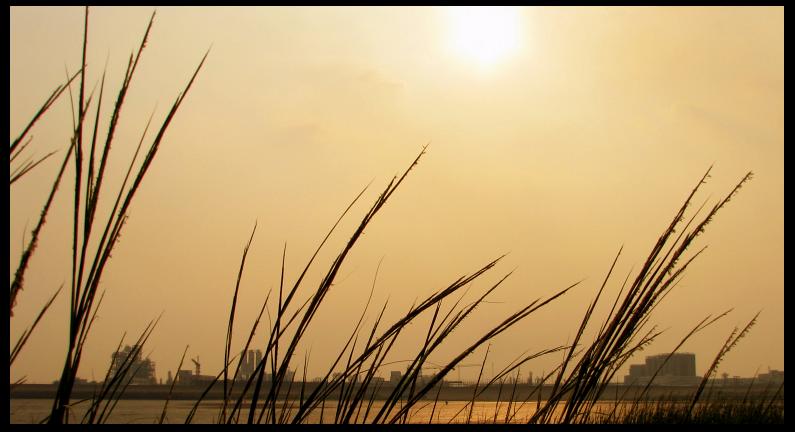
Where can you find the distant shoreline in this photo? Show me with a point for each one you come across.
(462, 393)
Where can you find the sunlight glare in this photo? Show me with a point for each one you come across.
(484, 34)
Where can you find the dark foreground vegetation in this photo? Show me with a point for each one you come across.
(571, 390)
(713, 412)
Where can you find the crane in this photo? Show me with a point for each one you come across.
(198, 365)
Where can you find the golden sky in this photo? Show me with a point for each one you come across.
(573, 132)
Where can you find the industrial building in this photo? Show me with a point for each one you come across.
(667, 369)
(128, 360)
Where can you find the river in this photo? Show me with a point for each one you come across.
(148, 411)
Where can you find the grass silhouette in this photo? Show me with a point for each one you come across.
(577, 383)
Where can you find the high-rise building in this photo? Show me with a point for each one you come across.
(251, 359)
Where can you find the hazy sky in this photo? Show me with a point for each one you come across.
(574, 131)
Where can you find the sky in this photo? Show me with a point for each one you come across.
(556, 136)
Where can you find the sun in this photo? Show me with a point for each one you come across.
(484, 34)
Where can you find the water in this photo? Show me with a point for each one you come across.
(148, 411)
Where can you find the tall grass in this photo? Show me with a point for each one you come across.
(574, 390)
(18, 172)
(576, 384)
(719, 411)
(574, 395)
(362, 363)
(88, 264)
(623, 332)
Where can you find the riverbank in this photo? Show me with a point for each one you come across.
(447, 393)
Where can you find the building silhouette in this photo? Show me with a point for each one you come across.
(128, 363)
(248, 367)
(250, 360)
(666, 369)
(772, 376)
